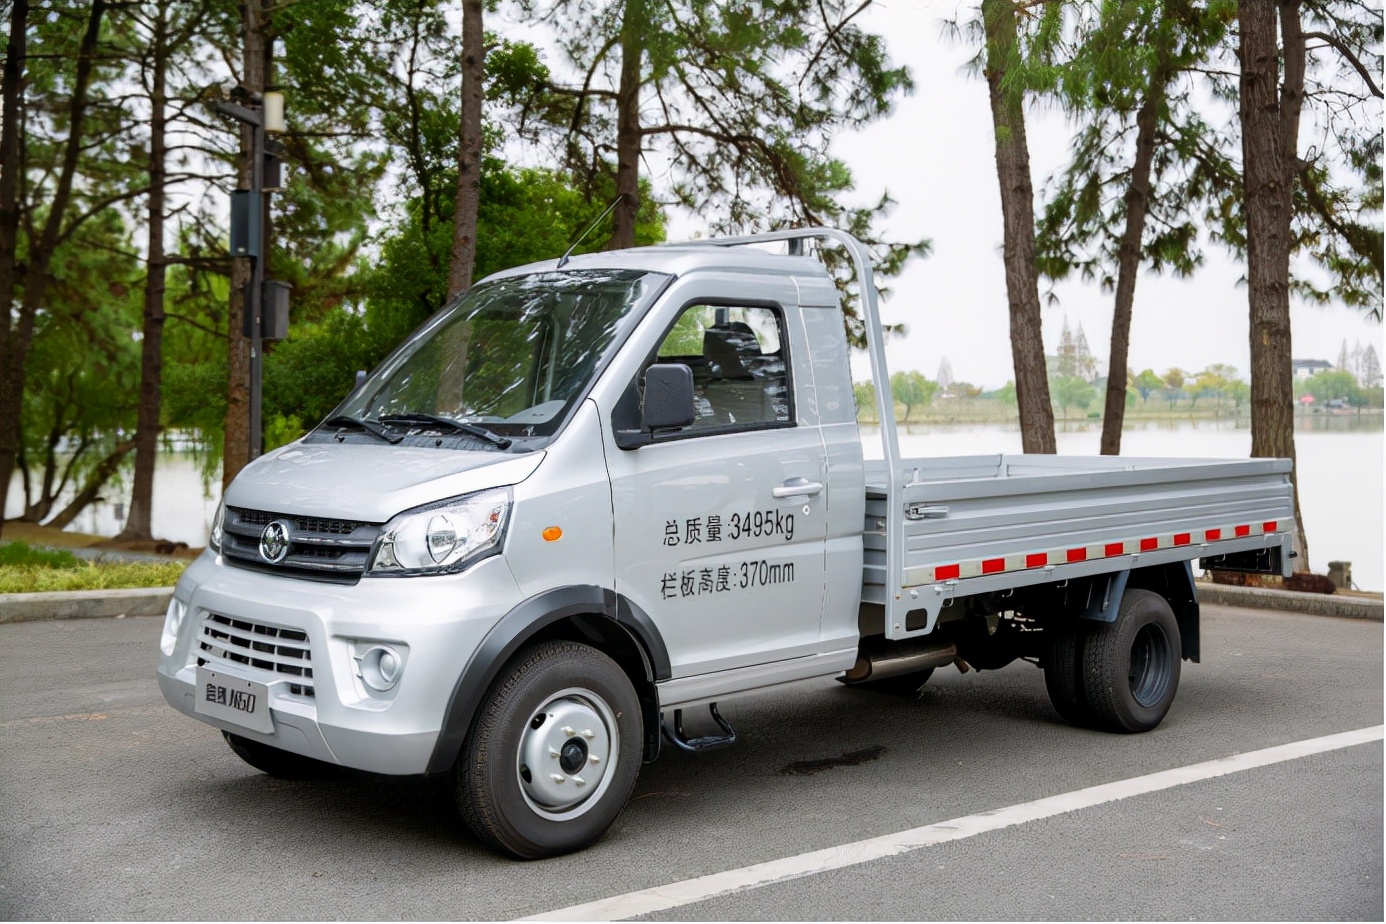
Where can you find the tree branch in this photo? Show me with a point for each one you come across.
(1351, 58)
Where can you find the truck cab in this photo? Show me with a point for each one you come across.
(494, 488)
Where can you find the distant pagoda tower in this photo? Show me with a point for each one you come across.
(945, 375)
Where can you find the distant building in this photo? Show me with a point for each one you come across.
(945, 375)
(1304, 368)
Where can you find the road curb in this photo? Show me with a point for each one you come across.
(85, 604)
(1291, 601)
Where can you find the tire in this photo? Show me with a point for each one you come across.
(1131, 665)
(1063, 676)
(899, 685)
(572, 710)
(283, 765)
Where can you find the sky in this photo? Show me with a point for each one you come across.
(933, 154)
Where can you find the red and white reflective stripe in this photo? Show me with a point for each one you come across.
(1025, 561)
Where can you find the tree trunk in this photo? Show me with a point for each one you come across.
(463, 265)
(1018, 215)
(1129, 258)
(1270, 134)
(10, 85)
(15, 356)
(628, 126)
(138, 525)
(92, 489)
(235, 453)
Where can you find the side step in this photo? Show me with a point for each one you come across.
(680, 740)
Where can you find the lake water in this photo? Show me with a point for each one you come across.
(1340, 485)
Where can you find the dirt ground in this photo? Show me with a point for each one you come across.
(33, 534)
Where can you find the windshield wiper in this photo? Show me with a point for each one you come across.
(436, 420)
(343, 421)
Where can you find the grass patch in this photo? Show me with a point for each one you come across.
(25, 569)
(21, 554)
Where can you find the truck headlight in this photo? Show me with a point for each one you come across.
(214, 537)
(173, 622)
(443, 537)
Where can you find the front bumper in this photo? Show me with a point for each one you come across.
(330, 714)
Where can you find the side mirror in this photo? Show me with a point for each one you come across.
(668, 397)
(668, 404)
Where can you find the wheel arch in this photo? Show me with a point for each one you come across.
(1173, 581)
(591, 615)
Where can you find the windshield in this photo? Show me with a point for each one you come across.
(510, 358)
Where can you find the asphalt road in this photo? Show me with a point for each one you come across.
(114, 806)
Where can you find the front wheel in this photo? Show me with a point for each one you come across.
(1131, 665)
(554, 754)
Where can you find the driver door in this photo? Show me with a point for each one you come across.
(720, 529)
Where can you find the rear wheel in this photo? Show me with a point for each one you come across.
(1131, 665)
(1063, 675)
(554, 754)
(278, 763)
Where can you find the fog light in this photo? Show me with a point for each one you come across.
(380, 667)
(173, 621)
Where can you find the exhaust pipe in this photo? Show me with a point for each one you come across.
(897, 659)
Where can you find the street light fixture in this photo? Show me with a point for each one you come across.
(266, 311)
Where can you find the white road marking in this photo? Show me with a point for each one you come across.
(673, 895)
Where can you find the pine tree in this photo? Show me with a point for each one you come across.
(1067, 357)
(1369, 374)
(1085, 362)
(1137, 177)
(744, 100)
(1005, 76)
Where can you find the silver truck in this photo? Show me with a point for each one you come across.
(595, 495)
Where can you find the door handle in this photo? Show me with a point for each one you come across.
(796, 487)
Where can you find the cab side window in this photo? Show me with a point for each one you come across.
(738, 358)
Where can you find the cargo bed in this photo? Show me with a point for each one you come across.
(976, 524)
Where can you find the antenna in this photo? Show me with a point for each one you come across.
(582, 237)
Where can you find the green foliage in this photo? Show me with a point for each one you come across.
(1114, 61)
(912, 390)
(310, 373)
(1337, 194)
(1238, 392)
(21, 554)
(82, 378)
(748, 100)
(1148, 382)
(1006, 394)
(26, 568)
(1071, 391)
(1174, 379)
(864, 394)
(526, 216)
(24, 579)
(1329, 385)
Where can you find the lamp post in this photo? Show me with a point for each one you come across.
(250, 223)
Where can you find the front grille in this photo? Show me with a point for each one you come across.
(308, 524)
(278, 650)
(319, 548)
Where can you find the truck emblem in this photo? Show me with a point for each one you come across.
(274, 542)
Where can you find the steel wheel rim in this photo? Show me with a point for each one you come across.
(567, 754)
(1150, 665)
